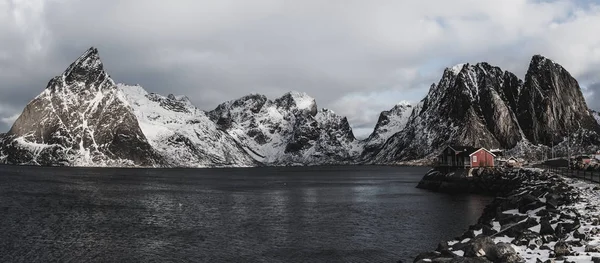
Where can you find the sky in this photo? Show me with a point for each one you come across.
(354, 57)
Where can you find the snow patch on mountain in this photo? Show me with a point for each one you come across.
(457, 68)
(389, 123)
(181, 133)
(288, 130)
(596, 115)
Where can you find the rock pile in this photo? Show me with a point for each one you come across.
(487, 181)
(547, 218)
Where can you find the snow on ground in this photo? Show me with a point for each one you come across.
(589, 207)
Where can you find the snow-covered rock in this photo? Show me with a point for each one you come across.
(551, 104)
(467, 107)
(596, 115)
(181, 133)
(389, 123)
(288, 130)
(81, 119)
(484, 106)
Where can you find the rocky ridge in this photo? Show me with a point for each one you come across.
(289, 130)
(389, 123)
(83, 118)
(484, 106)
(182, 133)
(80, 119)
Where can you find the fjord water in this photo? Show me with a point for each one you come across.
(293, 214)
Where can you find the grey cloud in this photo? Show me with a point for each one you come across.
(355, 57)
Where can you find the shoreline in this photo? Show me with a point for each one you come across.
(546, 218)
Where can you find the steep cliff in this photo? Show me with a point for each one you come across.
(80, 119)
(469, 106)
(551, 104)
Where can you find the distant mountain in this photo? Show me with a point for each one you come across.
(596, 115)
(468, 107)
(551, 104)
(80, 119)
(182, 134)
(83, 118)
(289, 130)
(389, 123)
(484, 106)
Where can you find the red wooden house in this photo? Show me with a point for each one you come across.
(466, 157)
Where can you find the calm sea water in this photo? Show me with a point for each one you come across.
(316, 214)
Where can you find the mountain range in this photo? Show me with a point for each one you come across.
(84, 118)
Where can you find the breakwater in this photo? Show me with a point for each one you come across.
(537, 216)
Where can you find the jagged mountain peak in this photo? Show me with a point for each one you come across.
(538, 60)
(87, 68)
(299, 100)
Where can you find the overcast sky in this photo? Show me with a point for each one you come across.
(355, 57)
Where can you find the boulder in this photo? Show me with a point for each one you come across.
(562, 249)
(590, 248)
(545, 227)
(479, 247)
(504, 252)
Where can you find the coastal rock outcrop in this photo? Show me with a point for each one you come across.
(547, 217)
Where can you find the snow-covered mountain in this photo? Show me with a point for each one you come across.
(551, 104)
(466, 107)
(389, 123)
(181, 133)
(596, 115)
(82, 119)
(478, 105)
(289, 130)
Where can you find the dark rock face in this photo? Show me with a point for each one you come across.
(483, 106)
(79, 119)
(469, 106)
(551, 103)
(288, 130)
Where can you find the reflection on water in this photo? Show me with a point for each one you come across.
(314, 214)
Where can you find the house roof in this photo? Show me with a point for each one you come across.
(484, 149)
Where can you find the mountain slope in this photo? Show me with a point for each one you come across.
(288, 130)
(389, 123)
(181, 133)
(551, 104)
(80, 119)
(467, 106)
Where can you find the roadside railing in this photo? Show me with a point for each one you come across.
(587, 175)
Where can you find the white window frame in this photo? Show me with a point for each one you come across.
(474, 158)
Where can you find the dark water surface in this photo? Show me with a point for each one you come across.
(316, 214)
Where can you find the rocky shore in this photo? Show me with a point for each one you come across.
(543, 218)
(485, 181)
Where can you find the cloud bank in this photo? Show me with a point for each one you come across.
(355, 57)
